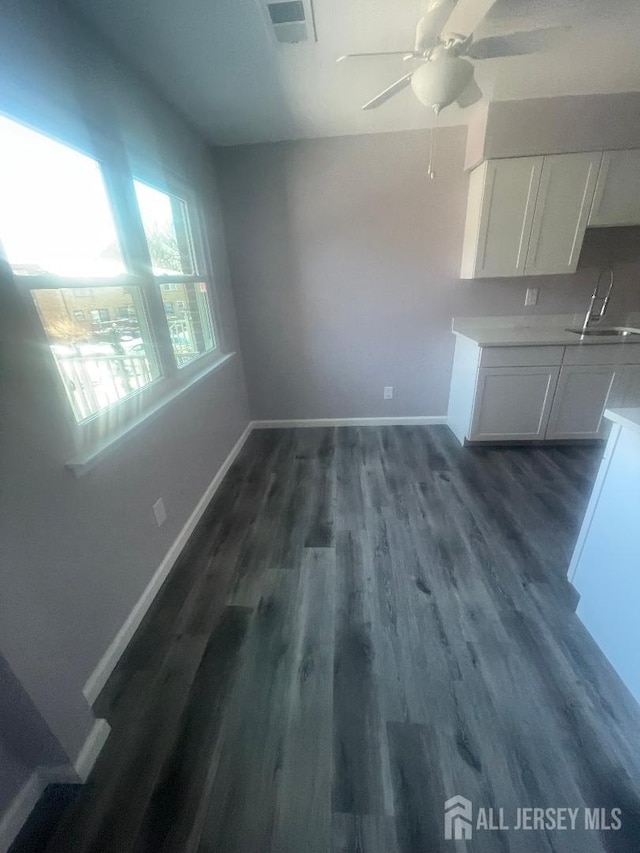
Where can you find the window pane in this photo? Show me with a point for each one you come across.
(54, 211)
(189, 319)
(166, 226)
(102, 356)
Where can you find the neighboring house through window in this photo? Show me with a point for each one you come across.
(98, 285)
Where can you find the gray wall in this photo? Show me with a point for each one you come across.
(345, 259)
(13, 773)
(25, 741)
(77, 554)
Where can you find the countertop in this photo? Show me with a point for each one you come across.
(536, 330)
(628, 418)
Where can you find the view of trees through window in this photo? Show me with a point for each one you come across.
(166, 227)
(163, 248)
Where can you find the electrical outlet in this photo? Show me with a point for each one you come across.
(159, 512)
(531, 296)
(388, 392)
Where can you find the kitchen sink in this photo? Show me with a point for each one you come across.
(612, 331)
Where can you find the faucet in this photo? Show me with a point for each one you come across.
(594, 315)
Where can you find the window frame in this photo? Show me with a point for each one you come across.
(97, 432)
(173, 186)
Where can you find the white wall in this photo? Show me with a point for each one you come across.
(77, 554)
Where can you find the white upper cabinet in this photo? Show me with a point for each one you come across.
(617, 197)
(502, 197)
(565, 195)
(528, 215)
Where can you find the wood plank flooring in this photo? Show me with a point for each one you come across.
(366, 622)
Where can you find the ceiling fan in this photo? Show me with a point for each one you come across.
(444, 37)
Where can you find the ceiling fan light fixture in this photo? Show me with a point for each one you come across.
(437, 83)
(444, 35)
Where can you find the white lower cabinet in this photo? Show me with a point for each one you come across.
(536, 393)
(582, 395)
(512, 403)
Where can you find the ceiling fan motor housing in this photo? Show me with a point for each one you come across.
(438, 83)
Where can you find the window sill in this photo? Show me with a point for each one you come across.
(84, 462)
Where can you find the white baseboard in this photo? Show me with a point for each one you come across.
(91, 749)
(23, 803)
(107, 663)
(424, 420)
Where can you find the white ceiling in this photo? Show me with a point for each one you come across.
(219, 62)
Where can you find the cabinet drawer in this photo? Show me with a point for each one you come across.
(521, 356)
(603, 354)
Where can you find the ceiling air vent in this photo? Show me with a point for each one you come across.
(289, 20)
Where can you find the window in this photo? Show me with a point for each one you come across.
(55, 215)
(99, 288)
(101, 361)
(172, 250)
(100, 315)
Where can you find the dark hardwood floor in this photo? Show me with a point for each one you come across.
(366, 622)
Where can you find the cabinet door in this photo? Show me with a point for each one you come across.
(512, 402)
(502, 196)
(583, 393)
(617, 196)
(562, 208)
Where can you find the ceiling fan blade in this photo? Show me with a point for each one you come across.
(470, 95)
(516, 44)
(389, 92)
(430, 25)
(376, 53)
(466, 16)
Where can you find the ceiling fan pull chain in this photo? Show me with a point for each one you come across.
(432, 144)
